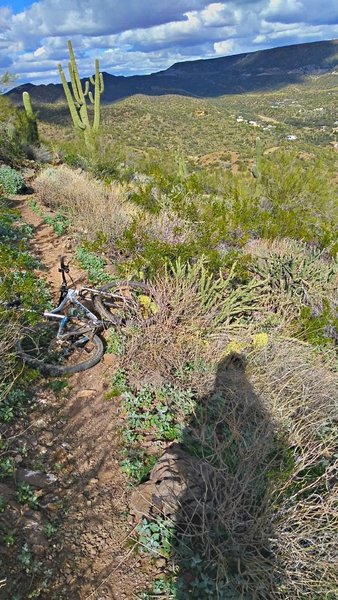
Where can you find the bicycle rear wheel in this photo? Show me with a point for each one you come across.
(78, 350)
(126, 303)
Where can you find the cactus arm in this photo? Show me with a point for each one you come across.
(75, 91)
(32, 130)
(101, 84)
(28, 106)
(96, 123)
(77, 86)
(71, 105)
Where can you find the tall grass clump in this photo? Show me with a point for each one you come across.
(94, 209)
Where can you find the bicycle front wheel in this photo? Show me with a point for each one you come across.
(78, 350)
(126, 303)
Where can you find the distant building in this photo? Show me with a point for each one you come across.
(253, 123)
(290, 138)
(239, 119)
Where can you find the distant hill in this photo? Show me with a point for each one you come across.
(252, 71)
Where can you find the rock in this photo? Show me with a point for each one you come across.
(35, 478)
(28, 173)
(141, 500)
(93, 481)
(48, 438)
(105, 476)
(85, 393)
(176, 484)
(61, 455)
(161, 563)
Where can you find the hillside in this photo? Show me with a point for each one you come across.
(252, 71)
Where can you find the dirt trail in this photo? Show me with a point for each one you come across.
(91, 558)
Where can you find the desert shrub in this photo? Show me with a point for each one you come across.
(199, 311)
(301, 273)
(302, 284)
(11, 150)
(10, 180)
(93, 207)
(299, 200)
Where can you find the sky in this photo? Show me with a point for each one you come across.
(144, 36)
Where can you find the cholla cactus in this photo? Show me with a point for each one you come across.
(76, 96)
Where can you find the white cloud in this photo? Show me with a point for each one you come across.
(130, 36)
(224, 48)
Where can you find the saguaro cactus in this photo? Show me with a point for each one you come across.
(97, 82)
(32, 129)
(76, 96)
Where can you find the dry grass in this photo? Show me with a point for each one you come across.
(264, 519)
(198, 315)
(9, 332)
(94, 208)
(301, 396)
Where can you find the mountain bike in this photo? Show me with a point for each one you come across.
(68, 340)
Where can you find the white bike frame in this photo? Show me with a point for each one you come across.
(72, 297)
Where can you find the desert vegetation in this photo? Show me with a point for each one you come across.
(226, 401)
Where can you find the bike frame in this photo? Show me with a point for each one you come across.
(69, 295)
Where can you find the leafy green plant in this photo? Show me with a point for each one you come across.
(169, 588)
(151, 413)
(115, 342)
(10, 180)
(93, 264)
(50, 529)
(25, 558)
(155, 537)
(118, 385)
(7, 466)
(137, 464)
(9, 539)
(14, 404)
(58, 222)
(58, 385)
(27, 495)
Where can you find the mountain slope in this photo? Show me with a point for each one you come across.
(253, 71)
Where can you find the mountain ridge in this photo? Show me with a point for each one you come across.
(211, 77)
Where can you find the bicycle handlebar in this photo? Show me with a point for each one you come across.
(63, 267)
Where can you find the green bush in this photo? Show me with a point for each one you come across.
(10, 180)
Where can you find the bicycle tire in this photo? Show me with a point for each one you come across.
(27, 350)
(117, 315)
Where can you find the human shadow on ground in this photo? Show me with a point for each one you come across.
(223, 526)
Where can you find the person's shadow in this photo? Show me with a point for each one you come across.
(223, 525)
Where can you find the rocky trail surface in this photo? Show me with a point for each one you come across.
(79, 543)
